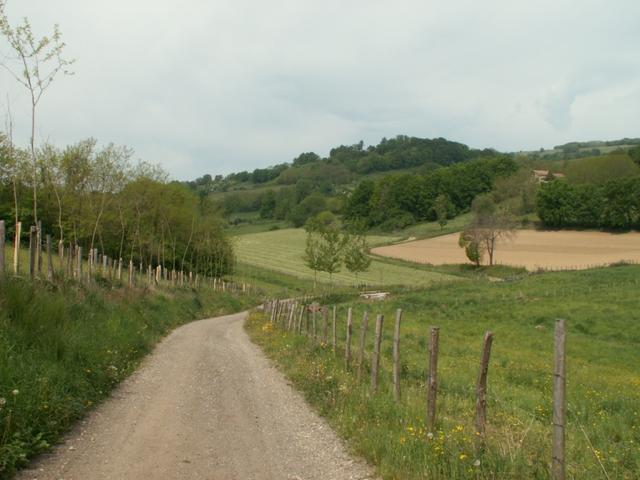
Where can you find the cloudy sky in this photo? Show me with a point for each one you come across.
(216, 86)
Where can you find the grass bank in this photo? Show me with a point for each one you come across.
(64, 347)
(602, 310)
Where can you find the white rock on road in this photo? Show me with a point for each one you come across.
(206, 404)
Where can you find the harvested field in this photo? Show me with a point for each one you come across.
(530, 248)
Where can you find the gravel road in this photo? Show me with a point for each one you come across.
(206, 404)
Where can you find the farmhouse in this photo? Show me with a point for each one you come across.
(543, 176)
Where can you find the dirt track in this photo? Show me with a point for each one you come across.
(530, 249)
(205, 405)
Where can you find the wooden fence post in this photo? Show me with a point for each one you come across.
(16, 249)
(396, 356)
(39, 245)
(33, 254)
(70, 256)
(363, 339)
(559, 405)
(347, 342)
(432, 381)
(90, 262)
(335, 331)
(2, 239)
(79, 264)
(375, 358)
(313, 321)
(49, 258)
(61, 253)
(481, 392)
(292, 314)
(325, 325)
(302, 309)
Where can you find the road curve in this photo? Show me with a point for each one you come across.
(206, 404)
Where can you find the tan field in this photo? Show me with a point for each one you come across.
(531, 249)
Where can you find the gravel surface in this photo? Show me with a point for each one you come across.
(206, 404)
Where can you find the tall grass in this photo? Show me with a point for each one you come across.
(602, 309)
(64, 347)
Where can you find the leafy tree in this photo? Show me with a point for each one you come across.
(489, 224)
(268, 205)
(442, 207)
(305, 158)
(307, 208)
(312, 255)
(38, 61)
(330, 249)
(470, 241)
(356, 257)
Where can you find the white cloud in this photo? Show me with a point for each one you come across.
(215, 87)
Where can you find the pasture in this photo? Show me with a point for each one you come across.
(550, 250)
(601, 309)
(282, 251)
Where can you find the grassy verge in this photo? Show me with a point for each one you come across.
(63, 348)
(603, 432)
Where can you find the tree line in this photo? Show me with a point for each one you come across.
(612, 205)
(345, 161)
(97, 197)
(396, 201)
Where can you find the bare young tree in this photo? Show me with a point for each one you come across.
(489, 225)
(34, 65)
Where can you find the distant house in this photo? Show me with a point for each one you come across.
(543, 176)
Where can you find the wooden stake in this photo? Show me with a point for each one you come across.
(79, 264)
(33, 253)
(347, 342)
(315, 331)
(335, 331)
(325, 325)
(39, 246)
(2, 240)
(396, 356)
(16, 249)
(481, 392)
(363, 339)
(302, 309)
(375, 358)
(432, 381)
(559, 405)
(49, 258)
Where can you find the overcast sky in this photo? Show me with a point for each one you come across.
(216, 86)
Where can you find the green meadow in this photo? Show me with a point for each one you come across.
(602, 311)
(282, 251)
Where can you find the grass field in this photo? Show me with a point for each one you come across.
(282, 251)
(602, 310)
